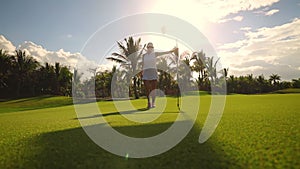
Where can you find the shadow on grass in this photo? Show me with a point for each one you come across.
(137, 111)
(27, 99)
(72, 148)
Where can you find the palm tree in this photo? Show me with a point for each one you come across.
(5, 68)
(251, 84)
(211, 67)
(263, 84)
(184, 71)
(296, 83)
(164, 75)
(199, 65)
(119, 86)
(77, 85)
(225, 73)
(57, 69)
(47, 79)
(110, 78)
(187, 60)
(130, 59)
(76, 76)
(65, 81)
(103, 82)
(232, 84)
(24, 67)
(274, 78)
(261, 79)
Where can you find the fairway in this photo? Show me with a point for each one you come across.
(256, 131)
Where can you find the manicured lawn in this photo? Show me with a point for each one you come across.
(289, 90)
(34, 103)
(256, 131)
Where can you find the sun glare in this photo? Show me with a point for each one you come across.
(184, 10)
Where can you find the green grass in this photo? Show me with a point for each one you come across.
(34, 103)
(256, 131)
(289, 90)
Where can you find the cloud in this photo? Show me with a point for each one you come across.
(42, 55)
(232, 46)
(209, 10)
(271, 12)
(245, 28)
(267, 12)
(275, 49)
(6, 45)
(237, 18)
(247, 69)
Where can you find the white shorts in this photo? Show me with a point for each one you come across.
(150, 74)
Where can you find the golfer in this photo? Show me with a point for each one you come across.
(150, 72)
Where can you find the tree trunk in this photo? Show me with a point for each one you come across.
(136, 95)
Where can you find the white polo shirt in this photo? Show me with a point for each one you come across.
(149, 61)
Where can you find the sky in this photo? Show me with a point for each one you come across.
(250, 36)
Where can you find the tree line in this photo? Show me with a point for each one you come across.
(22, 76)
(204, 67)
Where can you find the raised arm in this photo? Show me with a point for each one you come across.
(163, 53)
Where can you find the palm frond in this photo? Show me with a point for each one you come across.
(116, 59)
(120, 56)
(217, 62)
(122, 47)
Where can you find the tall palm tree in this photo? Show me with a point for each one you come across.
(130, 59)
(232, 84)
(5, 68)
(261, 79)
(185, 73)
(211, 67)
(164, 74)
(296, 83)
(77, 85)
(57, 68)
(199, 65)
(47, 79)
(76, 76)
(65, 81)
(274, 78)
(111, 78)
(187, 60)
(24, 67)
(225, 73)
